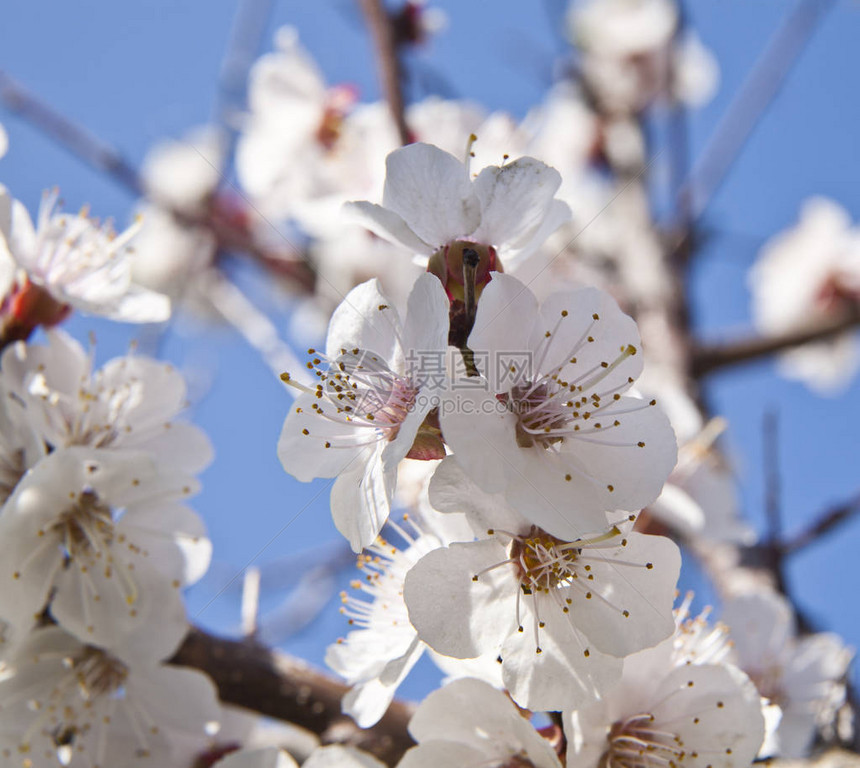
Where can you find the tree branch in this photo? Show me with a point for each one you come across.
(710, 357)
(75, 138)
(228, 230)
(273, 684)
(752, 100)
(826, 523)
(388, 61)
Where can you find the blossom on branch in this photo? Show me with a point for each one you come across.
(69, 262)
(362, 416)
(552, 425)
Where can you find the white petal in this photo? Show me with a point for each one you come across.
(561, 676)
(387, 225)
(481, 433)
(514, 199)
(305, 456)
(366, 320)
(502, 329)
(361, 498)
(454, 614)
(452, 490)
(432, 754)
(337, 756)
(426, 326)
(622, 582)
(431, 191)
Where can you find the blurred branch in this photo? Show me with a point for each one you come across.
(710, 357)
(752, 100)
(229, 231)
(772, 499)
(390, 71)
(825, 524)
(275, 685)
(75, 138)
(249, 26)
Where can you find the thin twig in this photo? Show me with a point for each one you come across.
(711, 357)
(754, 97)
(273, 684)
(388, 61)
(772, 498)
(825, 524)
(65, 132)
(249, 27)
(230, 236)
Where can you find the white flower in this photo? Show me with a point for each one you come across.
(810, 273)
(660, 714)
(70, 704)
(128, 404)
(559, 613)
(294, 120)
(4, 141)
(376, 656)
(79, 263)
(696, 73)
(697, 642)
(622, 28)
(183, 173)
(107, 540)
(168, 255)
(333, 756)
(20, 446)
(430, 202)
(549, 424)
(471, 725)
(700, 496)
(362, 417)
(804, 676)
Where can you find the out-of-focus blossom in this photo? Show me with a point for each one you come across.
(131, 403)
(811, 272)
(804, 676)
(66, 262)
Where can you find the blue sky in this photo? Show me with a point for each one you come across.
(134, 73)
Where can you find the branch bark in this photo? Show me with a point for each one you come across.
(273, 684)
(388, 61)
(708, 358)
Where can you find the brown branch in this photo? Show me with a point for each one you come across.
(273, 684)
(710, 357)
(390, 71)
(825, 524)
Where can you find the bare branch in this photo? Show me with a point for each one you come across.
(273, 684)
(390, 72)
(749, 105)
(75, 138)
(230, 234)
(825, 524)
(708, 358)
